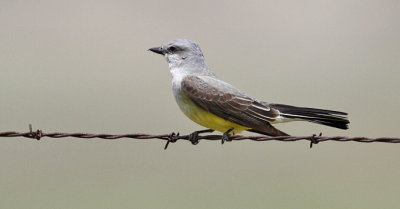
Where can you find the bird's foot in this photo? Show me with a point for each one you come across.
(194, 137)
(225, 136)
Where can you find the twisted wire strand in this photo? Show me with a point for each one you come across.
(172, 137)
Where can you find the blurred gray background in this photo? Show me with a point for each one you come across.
(83, 66)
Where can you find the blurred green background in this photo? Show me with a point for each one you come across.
(83, 66)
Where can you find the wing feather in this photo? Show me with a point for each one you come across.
(227, 102)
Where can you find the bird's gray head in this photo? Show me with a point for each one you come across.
(182, 54)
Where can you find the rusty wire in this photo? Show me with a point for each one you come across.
(314, 139)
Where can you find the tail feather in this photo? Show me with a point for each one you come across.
(269, 130)
(325, 117)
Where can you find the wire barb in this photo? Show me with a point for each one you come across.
(172, 137)
(314, 140)
(34, 135)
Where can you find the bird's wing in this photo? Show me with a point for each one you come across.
(225, 101)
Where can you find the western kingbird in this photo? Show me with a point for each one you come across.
(217, 105)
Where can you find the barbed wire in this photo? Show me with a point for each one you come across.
(173, 137)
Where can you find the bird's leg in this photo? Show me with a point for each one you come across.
(225, 136)
(194, 137)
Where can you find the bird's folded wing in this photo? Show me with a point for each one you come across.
(227, 102)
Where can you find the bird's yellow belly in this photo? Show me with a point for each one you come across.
(207, 119)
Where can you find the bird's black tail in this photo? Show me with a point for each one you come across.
(325, 117)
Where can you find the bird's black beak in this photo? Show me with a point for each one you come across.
(158, 50)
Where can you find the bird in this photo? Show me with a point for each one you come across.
(219, 106)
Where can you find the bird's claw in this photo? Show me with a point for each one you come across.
(194, 137)
(225, 136)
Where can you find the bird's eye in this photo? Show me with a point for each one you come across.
(172, 49)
